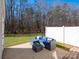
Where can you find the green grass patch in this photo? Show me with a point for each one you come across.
(14, 39)
(61, 45)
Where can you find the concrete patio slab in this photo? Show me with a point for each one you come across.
(25, 45)
(24, 51)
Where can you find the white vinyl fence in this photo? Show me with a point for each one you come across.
(68, 35)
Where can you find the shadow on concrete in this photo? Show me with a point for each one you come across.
(26, 53)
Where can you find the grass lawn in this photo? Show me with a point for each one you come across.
(13, 39)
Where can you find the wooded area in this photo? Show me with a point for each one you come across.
(23, 18)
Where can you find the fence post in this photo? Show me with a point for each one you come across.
(63, 35)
